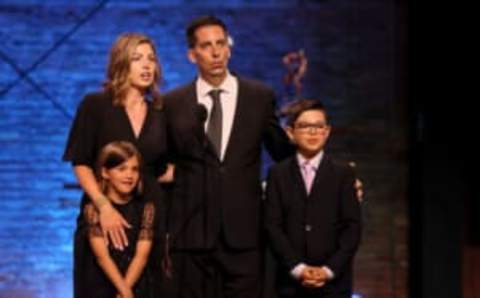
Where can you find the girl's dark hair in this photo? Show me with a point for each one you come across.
(114, 154)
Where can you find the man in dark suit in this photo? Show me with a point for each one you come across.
(217, 125)
(312, 213)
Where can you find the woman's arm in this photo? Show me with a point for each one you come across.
(112, 223)
(169, 174)
(89, 184)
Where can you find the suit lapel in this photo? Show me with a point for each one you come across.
(191, 97)
(321, 176)
(298, 182)
(191, 100)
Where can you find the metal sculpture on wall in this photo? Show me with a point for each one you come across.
(296, 64)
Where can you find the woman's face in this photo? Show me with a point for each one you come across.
(142, 67)
(123, 178)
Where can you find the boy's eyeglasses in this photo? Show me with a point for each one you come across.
(305, 127)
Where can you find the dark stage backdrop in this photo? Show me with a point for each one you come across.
(52, 52)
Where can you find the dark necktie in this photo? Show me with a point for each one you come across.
(214, 128)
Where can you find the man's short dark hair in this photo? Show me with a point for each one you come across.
(294, 109)
(201, 22)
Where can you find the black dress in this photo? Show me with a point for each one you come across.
(97, 123)
(140, 215)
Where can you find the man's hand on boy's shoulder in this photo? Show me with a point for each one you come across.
(358, 185)
(359, 189)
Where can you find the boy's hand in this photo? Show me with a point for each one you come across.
(307, 273)
(314, 277)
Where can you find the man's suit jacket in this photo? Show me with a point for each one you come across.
(322, 228)
(210, 196)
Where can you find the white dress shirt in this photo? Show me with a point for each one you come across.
(228, 98)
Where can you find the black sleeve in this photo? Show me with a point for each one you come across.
(171, 156)
(92, 219)
(81, 145)
(146, 229)
(163, 142)
(275, 138)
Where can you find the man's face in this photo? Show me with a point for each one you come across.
(210, 52)
(310, 132)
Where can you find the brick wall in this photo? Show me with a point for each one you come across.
(53, 52)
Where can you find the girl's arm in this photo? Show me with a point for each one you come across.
(138, 263)
(106, 263)
(143, 247)
(112, 223)
(100, 250)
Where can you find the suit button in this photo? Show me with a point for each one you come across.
(308, 228)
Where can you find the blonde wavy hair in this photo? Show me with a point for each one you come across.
(118, 68)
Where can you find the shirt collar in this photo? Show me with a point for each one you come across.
(314, 161)
(227, 86)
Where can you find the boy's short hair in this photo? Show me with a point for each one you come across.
(294, 109)
(201, 22)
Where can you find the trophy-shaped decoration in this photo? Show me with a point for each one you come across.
(296, 64)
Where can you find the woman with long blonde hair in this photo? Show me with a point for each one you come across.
(129, 108)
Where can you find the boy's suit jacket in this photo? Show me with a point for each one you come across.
(322, 228)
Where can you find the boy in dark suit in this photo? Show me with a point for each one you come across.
(312, 213)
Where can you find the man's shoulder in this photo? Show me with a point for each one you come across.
(179, 91)
(245, 82)
(283, 166)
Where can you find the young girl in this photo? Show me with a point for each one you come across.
(109, 272)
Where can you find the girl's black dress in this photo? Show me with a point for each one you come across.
(96, 283)
(97, 123)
